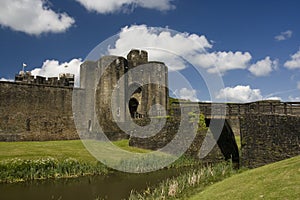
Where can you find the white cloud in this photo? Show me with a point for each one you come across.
(295, 99)
(263, 67)
(223, 61)
(192, 47)
(52, 68)
(239, 94)
(294, 62)
(187, 94)
(274, 98)
(298, 85)
(4, 79)
(33, 17)
(112, 6)
(284, 35)
(158, 44)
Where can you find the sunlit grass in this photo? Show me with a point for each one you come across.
(279, 180)
(187, 183)
(21, 161)
(56, 149)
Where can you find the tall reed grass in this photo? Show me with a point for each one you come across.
(16, 170)
(187, 183)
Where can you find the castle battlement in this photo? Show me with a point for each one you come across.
(64, 79)
(137, 57)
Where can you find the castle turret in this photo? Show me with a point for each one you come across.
(137, 57)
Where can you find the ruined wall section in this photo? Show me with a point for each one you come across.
(153, 74)
(169, 131)
(269, 138)
(35, 112)
(110, 90)
(158, 94)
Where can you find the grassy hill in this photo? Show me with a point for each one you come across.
(280, 180)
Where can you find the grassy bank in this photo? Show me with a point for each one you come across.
(17, 170)
(279, 180)
(187, 183)
(22, 161)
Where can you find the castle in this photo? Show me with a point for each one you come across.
(115, 90)
(121, 89)
(36, 108)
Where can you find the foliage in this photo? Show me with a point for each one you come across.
(15, 170)
(193, 117)
(22, 161)
(186, 183)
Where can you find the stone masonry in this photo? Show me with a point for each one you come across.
(269, 138)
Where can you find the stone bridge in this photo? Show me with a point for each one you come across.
(269, 131)
(235, 110)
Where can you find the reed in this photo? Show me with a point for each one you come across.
(187, 183)
(16, 170)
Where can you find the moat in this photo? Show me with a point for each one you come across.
(114, 186)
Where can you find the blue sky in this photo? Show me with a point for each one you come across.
(253, 46)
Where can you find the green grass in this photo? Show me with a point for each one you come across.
(238, 141)
(16, 170)
(22, 161)
(187, 183)
(36, 150)
(124, 144)
(56, 149)
(279, 180)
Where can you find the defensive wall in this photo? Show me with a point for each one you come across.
(38, 109)
(269, 130)
(267, 138)
(35, 112)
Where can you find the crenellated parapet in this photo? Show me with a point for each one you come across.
(64, 79)
(137, 57)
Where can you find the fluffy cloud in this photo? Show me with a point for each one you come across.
(295, 99)
(52, 68)
(294, 62)
(284, 35)
(4, 79)
(187, 94)
(223, 61)
(192, 47)
(33, 17)
(112, 6)
(274, 98)
(239, 93)
(263, 67)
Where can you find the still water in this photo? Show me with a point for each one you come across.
(115, 186)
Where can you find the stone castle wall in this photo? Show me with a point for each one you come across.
(35, 112)
(170, 133)
(109, 84)
(269, 138)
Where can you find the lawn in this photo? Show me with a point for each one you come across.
(56, 149)
(24, 161)
(279, 180)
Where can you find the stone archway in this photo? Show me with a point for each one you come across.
(226, 141)
(133, 106)
(135, 94)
